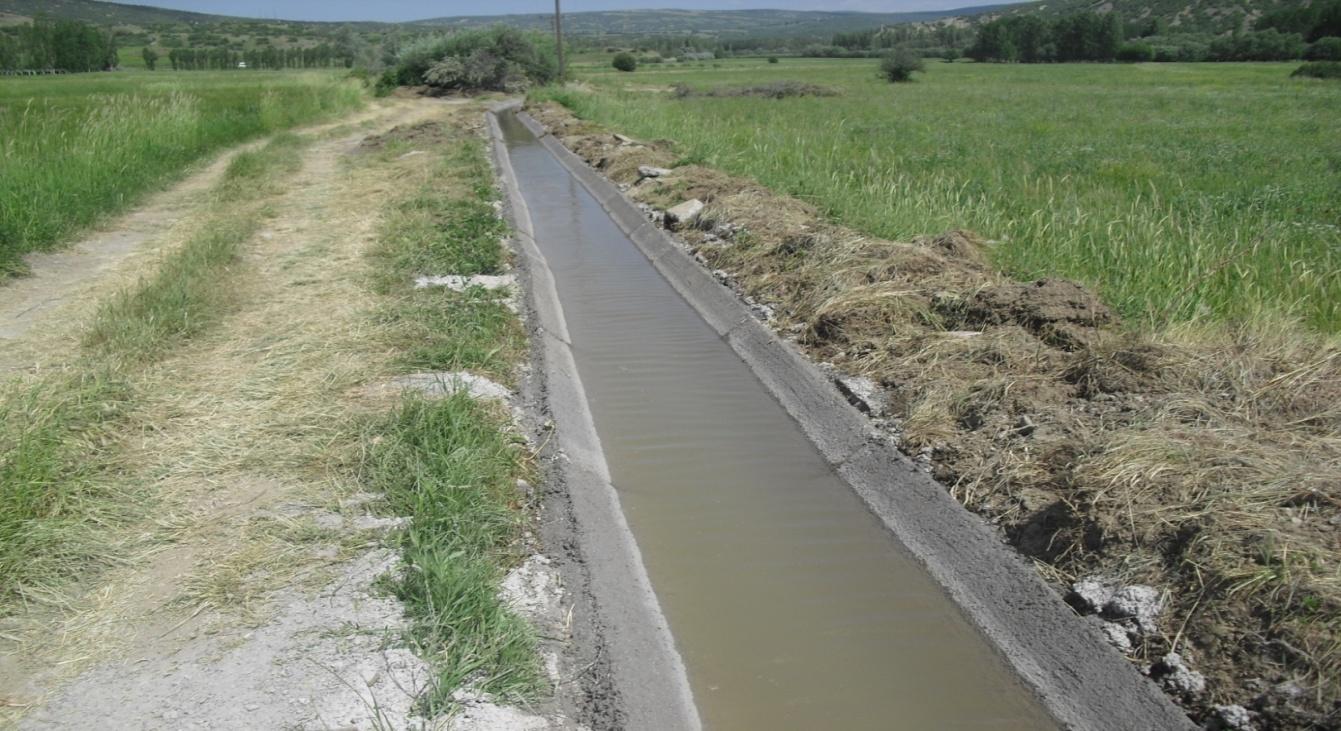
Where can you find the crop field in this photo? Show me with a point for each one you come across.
(1178, 191)
(75, 148)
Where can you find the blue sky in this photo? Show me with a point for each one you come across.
(397, 10)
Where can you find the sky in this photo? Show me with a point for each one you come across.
(401, 10)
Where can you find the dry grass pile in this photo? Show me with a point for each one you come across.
(1204, 460)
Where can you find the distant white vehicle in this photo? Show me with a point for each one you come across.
(242, 64)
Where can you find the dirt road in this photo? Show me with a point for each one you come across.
(246, 599)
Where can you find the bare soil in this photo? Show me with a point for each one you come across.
(1199, 459)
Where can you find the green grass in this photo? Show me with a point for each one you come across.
(451, 464)
(58, 434)
(54, 436)
(76, 148)
(447, 227)
(1178, 191)
(189, 290)
(452, 468)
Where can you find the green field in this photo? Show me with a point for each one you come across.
(1179, 191)
(75, 148)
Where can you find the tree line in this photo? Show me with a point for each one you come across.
(207, 59)
(1285, 35)
(61, 45)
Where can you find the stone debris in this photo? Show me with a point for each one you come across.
(459, 283)
(479, 712)
(1136, 607)
(651, 171)
(1229, 718)
(1117, 636)
(438, 385)
(1176, 677)
(623, 140)
(533, 590)
(1136, 604)
(684, 214)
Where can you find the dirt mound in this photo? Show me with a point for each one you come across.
(1198, 459)
(421, 134)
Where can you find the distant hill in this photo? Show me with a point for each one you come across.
(719, 23)
(1179, 16)
(105, 13)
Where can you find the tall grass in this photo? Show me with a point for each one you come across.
(75, 148)
(1178, 191)
(59, 433)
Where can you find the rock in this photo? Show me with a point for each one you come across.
(1177, 677)
(1117, 636)
(684, 214)
(1140, 604)
(1229, 718)
(649, 171)
(461, 283)
(623, 140)
(1091, 594)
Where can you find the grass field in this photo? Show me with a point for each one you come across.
(1178, 191)
(75, 148)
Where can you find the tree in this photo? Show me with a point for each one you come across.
(900, 64)
(150, 58)
(624, 62)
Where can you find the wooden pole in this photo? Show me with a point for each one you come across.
(558, 36)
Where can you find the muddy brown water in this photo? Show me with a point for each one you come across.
(790, 603)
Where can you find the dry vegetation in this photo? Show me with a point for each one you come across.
(1201, 459)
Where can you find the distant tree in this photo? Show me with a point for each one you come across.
(9, 52)
(1324, 49)
(900, 64)
(624, 62)
(1136, 52)
(150, 58)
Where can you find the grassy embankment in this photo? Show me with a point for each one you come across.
(59, 433)
(1176, 191)
(451, 464)
(75, 148)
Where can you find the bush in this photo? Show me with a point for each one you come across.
(1265, 45)
(772, 59)
(1324, 49)
(900, 65)
(625, 62)
(1136, 52)
(1319, 70)
(494, 59)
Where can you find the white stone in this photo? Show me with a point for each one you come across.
(684, 214)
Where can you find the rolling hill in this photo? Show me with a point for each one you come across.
(1180, 16)
(738, 23)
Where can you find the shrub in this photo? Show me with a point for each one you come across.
(1136, 52)
(495, 59)
(1324, 49)
(900, 65)
(1319, 70)
(772, 59)
(625, 62)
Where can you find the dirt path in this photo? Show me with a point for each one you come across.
(247, 600)
(43, 309)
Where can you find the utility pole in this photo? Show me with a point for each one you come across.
(558, 35)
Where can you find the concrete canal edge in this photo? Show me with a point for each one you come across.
(1076, 675)
(646, 671)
